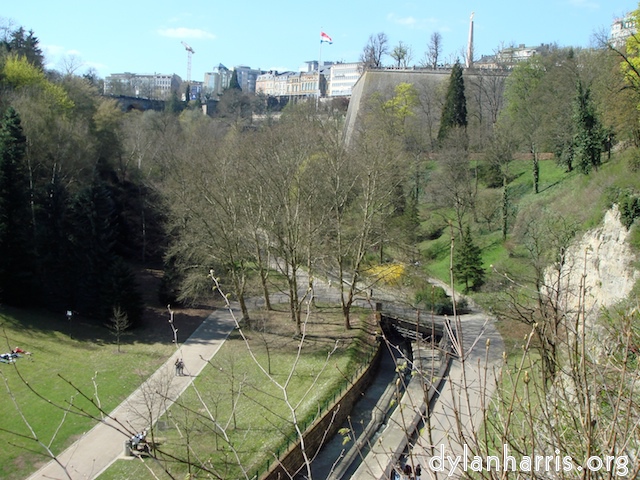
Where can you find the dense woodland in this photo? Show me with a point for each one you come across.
(90, 192)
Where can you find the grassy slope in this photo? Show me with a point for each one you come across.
(87, 355)
(61, 353)
(582, 199)
(262, 423)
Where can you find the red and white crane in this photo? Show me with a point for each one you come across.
(190, 52)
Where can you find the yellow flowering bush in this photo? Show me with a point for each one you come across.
(390, 274)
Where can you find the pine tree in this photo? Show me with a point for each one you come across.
(25, 45)
(92, 233)
(467, 263)
(454, 112)
(15, 213)
(56, 269)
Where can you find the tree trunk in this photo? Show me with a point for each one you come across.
(505, 207)
(263, 273)
(536, 170)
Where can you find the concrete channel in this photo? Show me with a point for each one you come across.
(414, 361)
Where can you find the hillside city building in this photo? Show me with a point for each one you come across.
(312, 80)
(156, 86)
(621, 29)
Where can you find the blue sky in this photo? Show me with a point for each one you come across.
(145, 36)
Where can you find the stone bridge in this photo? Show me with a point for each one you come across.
(138, 103)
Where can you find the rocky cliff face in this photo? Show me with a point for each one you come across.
(600, 269)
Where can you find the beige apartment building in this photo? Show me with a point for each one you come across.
(157, 86)
(336, 80)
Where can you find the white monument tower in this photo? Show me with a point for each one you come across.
(469, 62)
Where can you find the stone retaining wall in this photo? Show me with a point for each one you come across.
(326, 426)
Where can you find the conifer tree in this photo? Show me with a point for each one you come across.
(15, 225)
(454, 112)
(467, 263)
(26, 45)
(589, 134)
(234, 84)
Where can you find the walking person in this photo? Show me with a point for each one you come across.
(179, 367)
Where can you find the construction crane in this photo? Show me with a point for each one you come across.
(190, 52)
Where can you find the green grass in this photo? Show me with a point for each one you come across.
(515, 404)
(580, 199)
(63, 353)
(262, 426)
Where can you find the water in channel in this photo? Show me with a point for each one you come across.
(323, 465)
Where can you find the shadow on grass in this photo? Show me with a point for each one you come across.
(154, 326)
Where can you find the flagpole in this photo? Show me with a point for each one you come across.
(319, 62)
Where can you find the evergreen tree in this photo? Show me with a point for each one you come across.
(589, 135)
(234, 84)
(454, 112)
(26, 45)
(56, 269)
(173, 103)
(467, 263)
(100, 279)
(120, 290)
(93, 233)
(187, 95)
(15, 213)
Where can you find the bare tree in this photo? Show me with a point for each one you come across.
(376, 48)
(499, 156)
(453, 183)
(546, 237)
(434, 51)
(119, 324)
(284, 162)
(70, 64)
(430, 102)
(401, 53)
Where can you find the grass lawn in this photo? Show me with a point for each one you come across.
(81, 353)
(236, 413)
(63, 353)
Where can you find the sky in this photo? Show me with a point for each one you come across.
(146, 37)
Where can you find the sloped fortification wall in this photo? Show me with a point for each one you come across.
(483, 90)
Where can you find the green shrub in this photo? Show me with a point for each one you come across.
(632, 157)
(629, 209)
(436, 300)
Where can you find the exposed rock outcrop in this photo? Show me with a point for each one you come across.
(600, 269)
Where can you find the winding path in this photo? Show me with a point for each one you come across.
(468, 388)
(98, 448)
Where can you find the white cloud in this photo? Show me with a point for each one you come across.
(406, 21)
(586, 4)
(52, 50)
(412, 22)
(95, 65)
(183, 32)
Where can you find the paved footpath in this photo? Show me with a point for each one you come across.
(98, 448)
(457, 415)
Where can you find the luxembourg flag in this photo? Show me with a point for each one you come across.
(325, 38)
